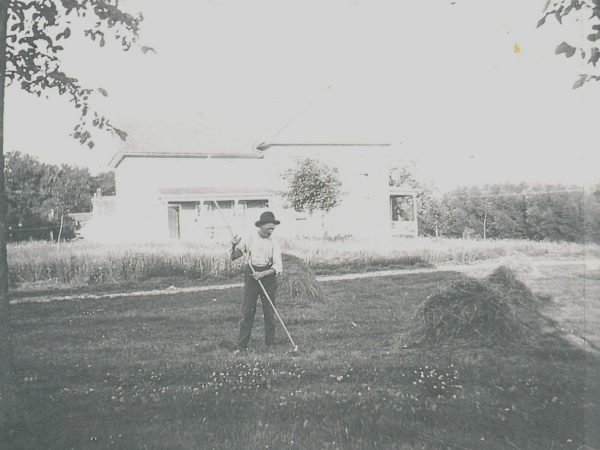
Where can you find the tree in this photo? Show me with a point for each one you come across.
(25, 217)
(591, 212)
(23, 176)
(70, 191)
(556, 217)
(468, 214)
(41, 196)
(537, 212)
(312, 186)
(105, 182)
(588, 13)
(30, 35)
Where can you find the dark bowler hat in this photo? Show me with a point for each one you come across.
(267, 217)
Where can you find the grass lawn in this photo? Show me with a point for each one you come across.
(158, 373)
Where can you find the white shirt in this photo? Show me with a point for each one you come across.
(263, 251)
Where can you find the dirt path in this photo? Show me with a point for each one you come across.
(476, 268)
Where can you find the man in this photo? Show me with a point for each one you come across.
(264, 253)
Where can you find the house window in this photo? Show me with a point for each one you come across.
(223, 204)
(231, 207)
(187, 206)
(252, 204)
(402, 208)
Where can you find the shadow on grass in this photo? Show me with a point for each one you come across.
(370, 264)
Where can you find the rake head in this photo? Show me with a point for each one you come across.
(294, 350)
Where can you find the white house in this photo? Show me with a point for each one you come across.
(171, 195)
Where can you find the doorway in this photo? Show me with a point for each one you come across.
(174, 225)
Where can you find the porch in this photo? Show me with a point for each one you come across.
(403, 212)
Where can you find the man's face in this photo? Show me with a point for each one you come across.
(266, 229)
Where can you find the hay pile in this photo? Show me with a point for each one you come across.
(498, 310)
(297, 281)
(504, 281)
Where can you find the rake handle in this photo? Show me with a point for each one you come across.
(259, 282)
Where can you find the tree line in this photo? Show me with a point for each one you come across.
(41, 196)
(523, 211)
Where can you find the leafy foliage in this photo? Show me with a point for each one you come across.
(312, 186)
(35, 31)
(105, 182)
(552, 212)
(588, 13)
(39, 194)
(517, 211)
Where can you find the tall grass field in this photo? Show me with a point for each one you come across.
(80, 264)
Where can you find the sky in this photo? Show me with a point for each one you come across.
(469, 90)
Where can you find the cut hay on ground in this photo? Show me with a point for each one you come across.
(497, 310)
(297, 281)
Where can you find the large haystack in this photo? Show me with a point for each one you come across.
(514, 291)
(498, 310)
(297, 281)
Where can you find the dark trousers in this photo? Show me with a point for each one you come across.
(251, 292)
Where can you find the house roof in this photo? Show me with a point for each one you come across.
(120, 156)
(185, 134)
(178, 135)
(259, 153)
(263, 146)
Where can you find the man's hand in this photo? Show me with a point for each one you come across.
(258, 275)
(235, 251)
